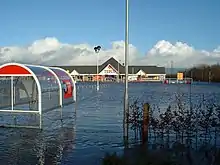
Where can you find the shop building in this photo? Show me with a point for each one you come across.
(112, 70)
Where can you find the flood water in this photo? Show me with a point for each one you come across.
(92, 126)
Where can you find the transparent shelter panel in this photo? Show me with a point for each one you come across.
(67, 85)
(50, 99)
(49, 87)
(5, 92)
(25, 93)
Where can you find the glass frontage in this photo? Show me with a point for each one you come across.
(49, 87)
(67, 85)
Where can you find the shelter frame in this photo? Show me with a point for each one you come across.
(13, 70)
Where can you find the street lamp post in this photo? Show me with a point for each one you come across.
(119, 71)
(97, 49)
(126, 105)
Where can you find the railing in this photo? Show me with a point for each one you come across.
(178, 81)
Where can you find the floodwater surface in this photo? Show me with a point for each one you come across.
(92, 126)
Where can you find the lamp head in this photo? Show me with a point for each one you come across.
(97, 48)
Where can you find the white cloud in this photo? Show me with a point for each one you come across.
(181, 54)
(50, 51)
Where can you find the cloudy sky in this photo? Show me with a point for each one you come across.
(55, 32)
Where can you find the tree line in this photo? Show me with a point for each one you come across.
(204, 73)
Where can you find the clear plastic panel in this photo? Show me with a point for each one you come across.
(25, 93)
(67, 85)
(5, 93)
(49, 87)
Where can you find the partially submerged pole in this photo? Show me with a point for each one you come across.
(145, 127)
(126, 105)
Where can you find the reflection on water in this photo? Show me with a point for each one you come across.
(98, 125)
(33, 146)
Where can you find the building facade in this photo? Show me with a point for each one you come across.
(112, 70)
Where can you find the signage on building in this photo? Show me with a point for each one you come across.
(179, 76)
(109, 70)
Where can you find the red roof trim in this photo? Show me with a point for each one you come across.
(14, 70)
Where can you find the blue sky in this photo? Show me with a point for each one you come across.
(195, 22)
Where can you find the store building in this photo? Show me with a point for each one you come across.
(112, 70)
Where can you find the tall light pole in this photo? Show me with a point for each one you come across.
(126, 105)
(97, 49)
(119, 71)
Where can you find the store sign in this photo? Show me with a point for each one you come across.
(179, 76)
(109, 70)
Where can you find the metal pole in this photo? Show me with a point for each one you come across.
(118, 71)
(97, 69)
(12, 93)
(126, 105)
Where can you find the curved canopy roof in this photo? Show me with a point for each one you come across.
(16, 69)
(42, 74)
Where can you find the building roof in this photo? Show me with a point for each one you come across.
(91, 69)
(146, 69)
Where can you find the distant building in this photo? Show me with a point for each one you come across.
(112, 70)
